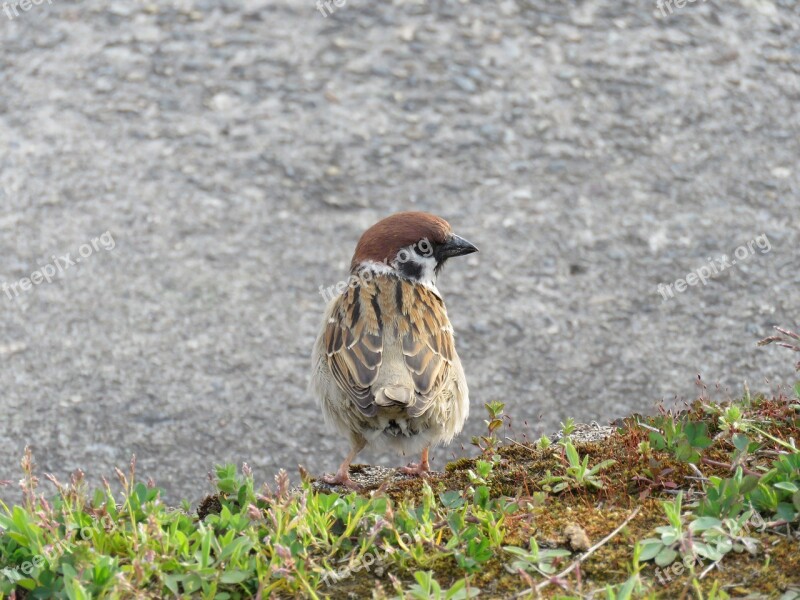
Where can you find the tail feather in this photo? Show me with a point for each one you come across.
(395, 396)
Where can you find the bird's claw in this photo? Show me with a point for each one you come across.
(341, 480)
(418, 469)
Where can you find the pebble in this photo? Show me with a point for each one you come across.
(12, 348)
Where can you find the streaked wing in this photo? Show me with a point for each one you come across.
(428, 344)
(354, 345)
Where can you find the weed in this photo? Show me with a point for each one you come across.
(535, 560)
(488, 443)
(427, 588)
(577, 474)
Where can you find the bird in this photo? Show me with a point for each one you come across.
(385, 371)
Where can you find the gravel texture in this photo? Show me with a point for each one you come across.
(236, 150)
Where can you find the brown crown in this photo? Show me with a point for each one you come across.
(383, 241)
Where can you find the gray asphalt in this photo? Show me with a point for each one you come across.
(234, 152)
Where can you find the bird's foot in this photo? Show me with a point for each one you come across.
(342, 479)
(418, 469)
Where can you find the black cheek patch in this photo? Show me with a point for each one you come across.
(411, 270)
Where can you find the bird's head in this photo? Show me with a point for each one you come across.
(414, 245)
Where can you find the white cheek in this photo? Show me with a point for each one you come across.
(428, 276)
(427, 263)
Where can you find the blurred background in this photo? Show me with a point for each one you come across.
(235, 151)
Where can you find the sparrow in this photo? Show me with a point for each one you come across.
(385, 370)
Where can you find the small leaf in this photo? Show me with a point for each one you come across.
(234, 576)
(666, 557)
(451, 499)
(657, 441)
(669, 538)
(749, 483)
(786, 511)
(650, 548)
(172, 581)
(603, 465)
(707, 551)
(572, 455)
(787, 485)
(724, 545)
(481, 496)
(704, 523)
(741, 441)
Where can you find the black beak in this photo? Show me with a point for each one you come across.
(456, 246)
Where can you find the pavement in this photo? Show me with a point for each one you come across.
(212, 163)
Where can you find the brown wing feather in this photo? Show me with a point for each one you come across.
(428, 344)
(354, 340)
(354, 345)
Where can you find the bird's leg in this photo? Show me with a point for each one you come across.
(342, 476)
(423, 468)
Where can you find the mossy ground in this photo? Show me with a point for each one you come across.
(458, 524)
(629, 483)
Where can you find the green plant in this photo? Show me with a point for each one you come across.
(304, 542)
(534, 559)
(473, 542)
(790, 445)
(718, 537)
(578, 474)
(715, 593)
(732, 419)
(706, 537)
(427, 588)
(726, 497)
(682, 439)
(778, 490)
(645, 449)
(744, 447)
(482, 473)
(664, 549)
(477, 551)
(488, 443)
